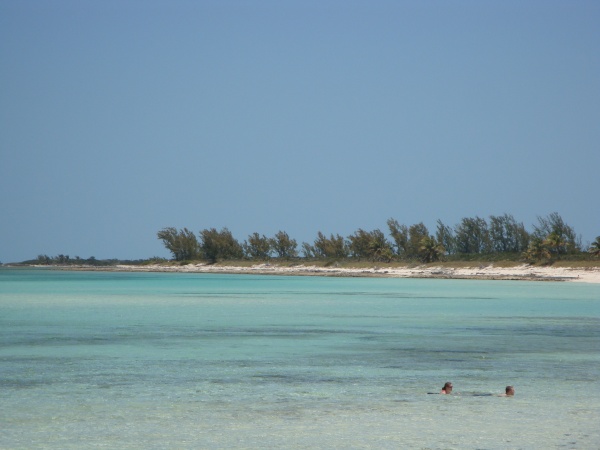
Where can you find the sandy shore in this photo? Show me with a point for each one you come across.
(483, 272)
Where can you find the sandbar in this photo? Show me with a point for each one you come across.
(525, 272)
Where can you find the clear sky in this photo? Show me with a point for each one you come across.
(119, 118)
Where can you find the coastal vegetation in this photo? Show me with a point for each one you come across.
(66, 260)
(497, 239)
(473, 238)
(595, 247)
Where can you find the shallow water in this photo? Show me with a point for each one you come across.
(140, 360)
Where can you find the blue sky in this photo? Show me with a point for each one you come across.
(119, 118)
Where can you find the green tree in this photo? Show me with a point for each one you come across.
(472, 236)
(536, 250)
(44, 260)
(399, 235)
(595, 247)
(258, 247)
(506, 235)
(554, 224)
(445, 237)
(430, 250)
(332, 247)
(370, 244)
(381, 248)
(359, 244)
(218, 245)
(283, 246)
(62, 259)
(556, 244)
(308, 251)
(416, 233)
(182, 244)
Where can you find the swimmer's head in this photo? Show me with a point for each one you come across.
(510, 390)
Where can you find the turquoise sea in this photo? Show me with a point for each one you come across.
(200, 361)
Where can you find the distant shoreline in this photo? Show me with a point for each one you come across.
(522, 272)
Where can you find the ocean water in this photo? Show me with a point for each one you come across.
(163, 360)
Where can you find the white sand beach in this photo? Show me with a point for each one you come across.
(483, 272)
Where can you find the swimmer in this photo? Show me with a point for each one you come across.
(447, 389)
(509, 392)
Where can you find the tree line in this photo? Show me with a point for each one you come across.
(550, 238)
(66, 260)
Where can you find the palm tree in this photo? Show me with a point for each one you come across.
(595, 247)
(430, 250)
(379, 248)
(537, 250)
(556, 242)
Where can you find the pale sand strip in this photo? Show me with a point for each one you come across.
(489, 272)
